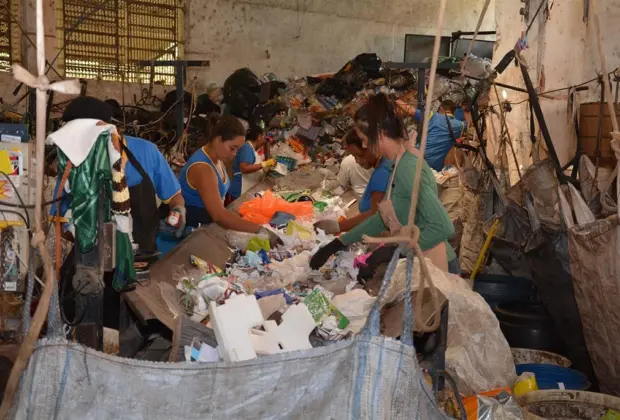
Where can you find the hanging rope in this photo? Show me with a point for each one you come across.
(42, 85)
(505, 125)
(410, 234)
(473, 40)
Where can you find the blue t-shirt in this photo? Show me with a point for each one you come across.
(190, 194)
(152, 161)
(245, 154)
(459, 114)
(439, 141)
(378, 182)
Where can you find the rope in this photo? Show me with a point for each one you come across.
(61, 187)
(473, 40)
(503, 118)
(410, 234)
(42, 84)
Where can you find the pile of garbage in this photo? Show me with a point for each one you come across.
(277, 282)
(306, 117)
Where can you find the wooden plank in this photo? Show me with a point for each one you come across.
(588, 132)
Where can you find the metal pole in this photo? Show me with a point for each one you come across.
(180, 82)
(421, 102)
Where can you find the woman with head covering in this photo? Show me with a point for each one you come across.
(387, 135)
(205, 183)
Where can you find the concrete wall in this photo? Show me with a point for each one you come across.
(563, 52)
(301, 37)
(287, 37)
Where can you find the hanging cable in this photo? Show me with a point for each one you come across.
(544, 2)
(18, 196)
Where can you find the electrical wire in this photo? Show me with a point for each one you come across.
(71, 30)
(26, 222)
(152, 122)
(18, 196)
(527, 31)
(558, 90)
(32, 206)
(25, 34)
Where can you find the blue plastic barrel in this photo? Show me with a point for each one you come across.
(550, 376)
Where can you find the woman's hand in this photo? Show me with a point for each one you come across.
(319, 259)
(329, 226)
(274, 239)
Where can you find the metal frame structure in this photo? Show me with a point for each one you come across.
(180, 67)
(109, 40)
(5, 33)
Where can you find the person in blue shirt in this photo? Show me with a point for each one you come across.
(377, 186)
(248, 166)
(148, 177)
(205, 183)
(443, 130)
(147, 173)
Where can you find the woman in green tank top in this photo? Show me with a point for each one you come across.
(385, 131)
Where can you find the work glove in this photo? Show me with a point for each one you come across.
(319, 259)
(180, 226)
(274, 239)
(329, 226)
(381, 255)
(268, 164)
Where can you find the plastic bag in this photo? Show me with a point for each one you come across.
(260, 210)
(493, 405)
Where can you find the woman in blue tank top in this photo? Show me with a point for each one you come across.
(204, 181)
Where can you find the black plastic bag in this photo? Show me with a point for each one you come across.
(241, 93)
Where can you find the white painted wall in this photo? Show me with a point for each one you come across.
(301, 37)
(563, 49)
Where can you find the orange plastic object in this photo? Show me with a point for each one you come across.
(471, 403)
(260, 210)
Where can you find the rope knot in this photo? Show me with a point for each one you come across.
(413, 233)
(38, 238)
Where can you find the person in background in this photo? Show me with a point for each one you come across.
(148, 176)
(444, 130)
(205, 183)
(387, 134)
(248, 166)
(375, 189)
(352, 175)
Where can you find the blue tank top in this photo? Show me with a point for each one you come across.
(190, 194)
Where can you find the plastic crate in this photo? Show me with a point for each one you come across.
(290, 163)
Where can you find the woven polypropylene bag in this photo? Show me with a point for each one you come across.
(367, 377)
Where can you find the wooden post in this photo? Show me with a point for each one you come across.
(42, 85)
